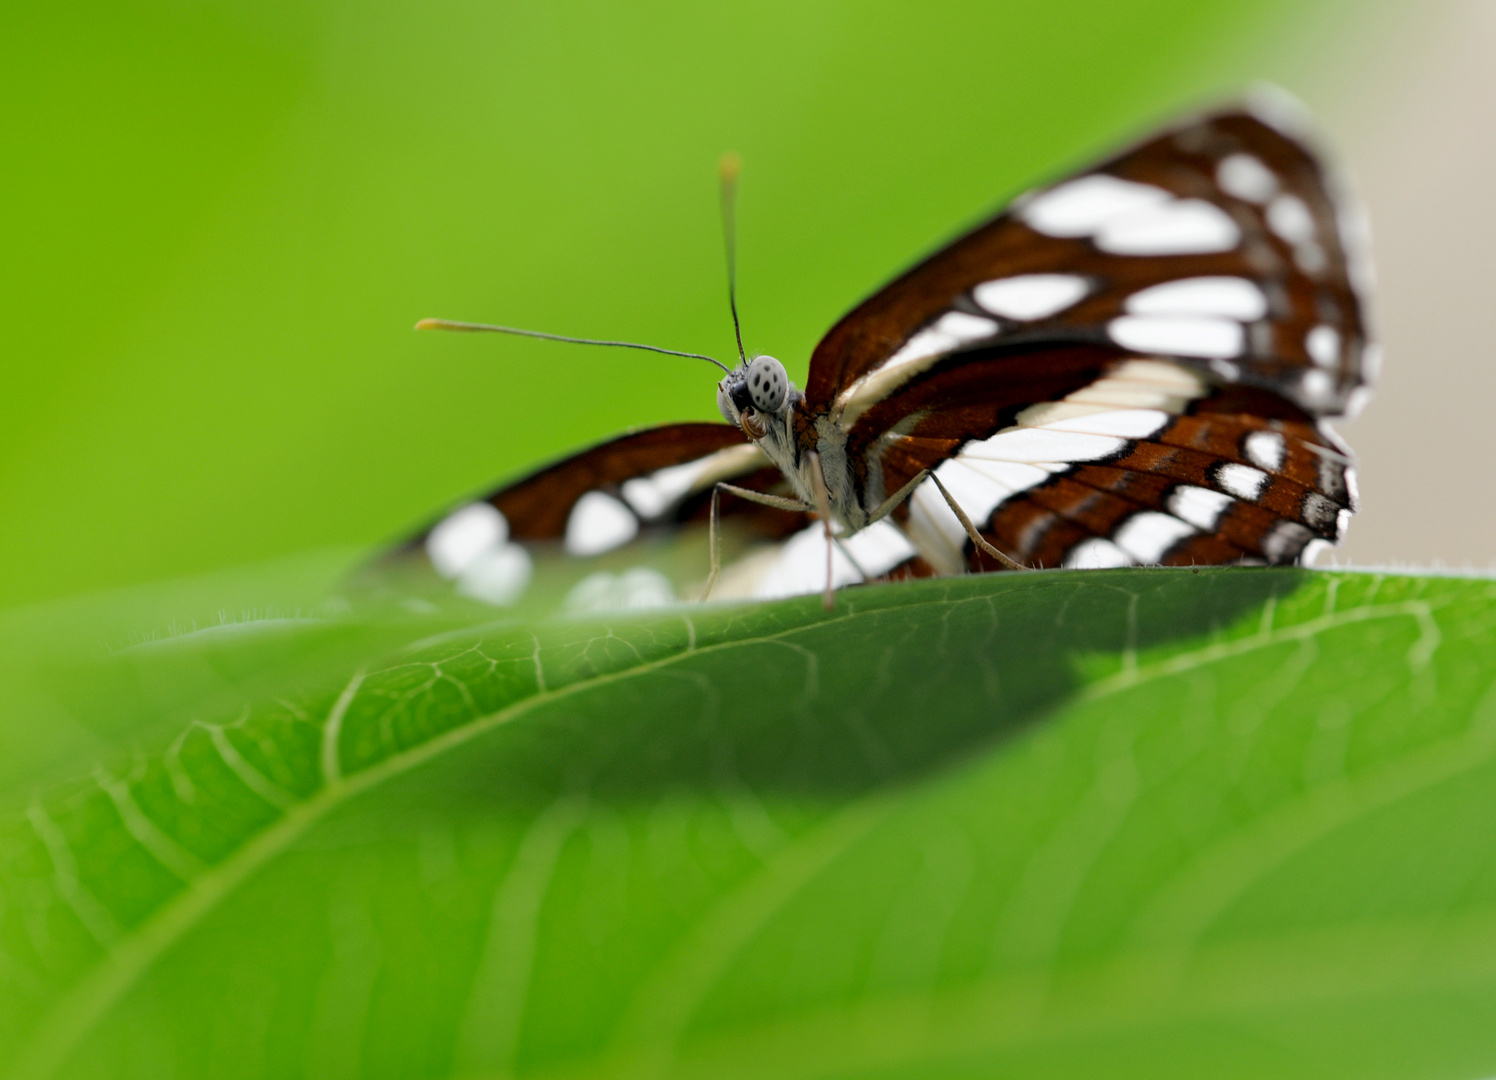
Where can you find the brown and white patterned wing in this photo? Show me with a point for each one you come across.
(598, 515)
(1130, 366)
(1149, 465)
(1221, 243)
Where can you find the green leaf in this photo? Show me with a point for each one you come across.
(1213, 823)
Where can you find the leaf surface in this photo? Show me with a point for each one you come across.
(1232, 822)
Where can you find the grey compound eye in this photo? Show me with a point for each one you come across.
(768, 385)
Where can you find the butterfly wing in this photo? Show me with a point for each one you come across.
(620, 524)
(1221, 242)
(1128, 366)
(1146, 465)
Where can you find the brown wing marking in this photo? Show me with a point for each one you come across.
(1043, 525)
(1293, 246)
(537, 507)
(1250, 475)
(929, 419)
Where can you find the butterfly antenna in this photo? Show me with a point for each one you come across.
(485, 328)
(728, 169)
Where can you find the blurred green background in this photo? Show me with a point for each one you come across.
(223, 218)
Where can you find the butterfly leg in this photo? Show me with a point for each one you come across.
(971, 530)
(743, 493)
(823, 508)
(891, 503)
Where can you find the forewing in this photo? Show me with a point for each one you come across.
(1221, 243)
(621, 524)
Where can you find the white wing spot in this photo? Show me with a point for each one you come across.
(1231, 297)
(979, 486)
(1042, 444)
(1178, 336)
(963, 328)
(498, 576)
(1031, 296)
(1247, 178)
(1199, 506)
(1096, 554)
(599, 523)
(1266, 449)
(1290, 219)
(1313, 550)
(1243, 481)
(1080, 207)
(925, 344)
(1011, 476)
(652, 495)
(1180, 227)
(800, 566)
(951, 331)
(1132, 384)
(1122, 423)
(464, 535)
(879, 548)
(633, 590)
(1323, 345)
(1310, 257)
(1357, 401)
(1148, 535)
(1317, 387)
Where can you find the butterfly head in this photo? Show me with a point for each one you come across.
(755, 395)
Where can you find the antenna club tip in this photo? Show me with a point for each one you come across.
(729, 165)
(428, 324)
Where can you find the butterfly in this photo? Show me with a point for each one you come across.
(1133, 365)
